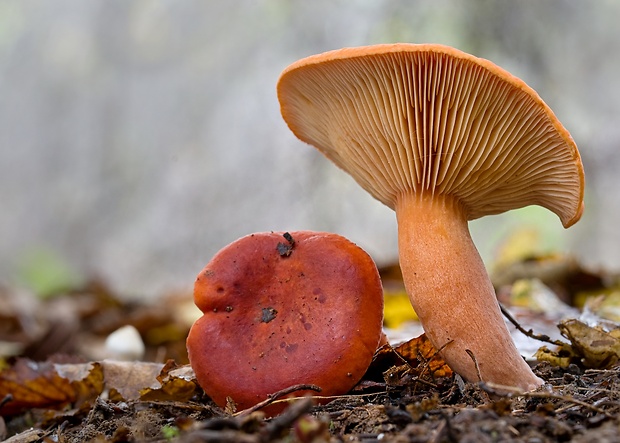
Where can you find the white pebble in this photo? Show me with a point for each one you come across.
(124, 344)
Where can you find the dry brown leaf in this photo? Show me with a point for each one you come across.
(421, 351)
(86, 379)
(34, 385)
(597, 348)
(126, 380)
(416, 357)
(561, 357)
(52, 385)
(176, 384)
(590, 347)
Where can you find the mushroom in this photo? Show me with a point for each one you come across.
(284, 309)
(442, 137)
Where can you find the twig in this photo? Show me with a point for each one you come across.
(7, 398)
(427, 363)
(275, 396)
(600, 371)
(473, 357)
(605, 391)
(509, 391)
(529, 333)
(341, 397)
(421, 369)
(282, 423)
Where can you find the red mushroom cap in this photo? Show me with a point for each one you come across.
(284, 309)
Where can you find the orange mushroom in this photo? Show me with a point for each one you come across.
(283, 309)
(441, 137)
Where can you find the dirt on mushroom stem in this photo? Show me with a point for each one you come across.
(451, 292)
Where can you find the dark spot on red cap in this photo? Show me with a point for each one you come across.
(268, 314)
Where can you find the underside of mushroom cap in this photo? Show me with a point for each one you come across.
(431, 119)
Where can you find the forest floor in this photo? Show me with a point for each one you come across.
(56, 384)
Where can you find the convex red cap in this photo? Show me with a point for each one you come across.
(282, 309)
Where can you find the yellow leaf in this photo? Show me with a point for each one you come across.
(598, 349)
(397, 309)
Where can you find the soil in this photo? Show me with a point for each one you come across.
(576, 405)
(396, 401)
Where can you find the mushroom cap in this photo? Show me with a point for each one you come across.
(429, 118)
(278, 314)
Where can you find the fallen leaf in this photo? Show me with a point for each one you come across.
(33, 385)
(589, 347)
(176, 384)
(421, 351)
(561, 357)
(416, 357)
(397, 308)
(597, 348)
(605, 306)
(86, 380)
(126, 380)
(534, 295)
(52, 385)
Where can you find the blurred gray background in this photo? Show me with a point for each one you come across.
(137, 138)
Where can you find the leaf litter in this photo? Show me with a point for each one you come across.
(57, 385)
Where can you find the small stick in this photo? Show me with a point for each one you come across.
(473, 357)
(426, 363)
(273, 397)
(509, 391)
(7, 398)
(280, 424)
(529, 333)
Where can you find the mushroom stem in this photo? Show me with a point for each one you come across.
(452, 294)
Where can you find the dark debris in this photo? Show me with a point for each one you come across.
(574, 406)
